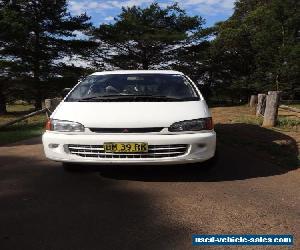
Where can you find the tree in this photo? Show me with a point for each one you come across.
(46, 36)
(11, 30)
(276, 42)
(257, 48)
(194, 60)
(146, 38)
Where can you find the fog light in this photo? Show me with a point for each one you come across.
(201, 145)
(53, 145)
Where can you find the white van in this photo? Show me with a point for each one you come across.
(131, 117)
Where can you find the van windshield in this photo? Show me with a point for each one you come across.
(134, 87)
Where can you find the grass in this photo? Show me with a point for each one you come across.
(294, 105)
(249, 119)
(15, 108)
(25, 129)
(282, 121)
(20, 132)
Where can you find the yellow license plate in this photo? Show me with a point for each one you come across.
(125, 147)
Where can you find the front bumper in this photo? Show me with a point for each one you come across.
(201, 147)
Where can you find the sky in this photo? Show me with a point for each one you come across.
(103, 11)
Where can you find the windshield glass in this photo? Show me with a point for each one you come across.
(123, 86)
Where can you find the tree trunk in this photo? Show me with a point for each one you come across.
(145, 64)
(253, 101)
(261, 104)
(38, 95)
(145, 59)
(271, 111)
(36, 70)
(38, 101)
(2, 103)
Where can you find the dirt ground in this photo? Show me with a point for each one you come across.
(277, 145)
(254, 189)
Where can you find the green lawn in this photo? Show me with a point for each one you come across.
(34, 126)
(15, 108)
(294, 105)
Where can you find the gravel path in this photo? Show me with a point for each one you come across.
(43, 207)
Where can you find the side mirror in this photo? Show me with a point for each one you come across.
(65, 91)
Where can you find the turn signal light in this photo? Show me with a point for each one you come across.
(48, 125)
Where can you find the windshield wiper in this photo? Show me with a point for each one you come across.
(125, 96)
(152, 97)
(97, 97)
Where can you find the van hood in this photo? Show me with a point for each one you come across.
(130, 114)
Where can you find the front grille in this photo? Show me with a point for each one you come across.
(154, 151)
(126, 130)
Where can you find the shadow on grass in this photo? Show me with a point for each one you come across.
(19, 132)
(20, 113)
(244, 151)
(265, 143)
(35, 139)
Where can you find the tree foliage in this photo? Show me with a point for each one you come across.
(146, 38)
(35, 36)
(257, 49)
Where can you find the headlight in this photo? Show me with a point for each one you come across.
(192, 125)
(64, 126)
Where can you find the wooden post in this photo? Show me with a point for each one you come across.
(271, 111)
(51, 104)
(253, 101)
(48, 104)
(261, 104)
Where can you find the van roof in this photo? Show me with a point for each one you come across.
(171, 72)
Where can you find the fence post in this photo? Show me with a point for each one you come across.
(253, 101)
(261, 104)
(271, 111)
(51, 104)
